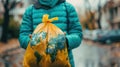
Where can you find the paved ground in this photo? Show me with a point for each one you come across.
(88, 55)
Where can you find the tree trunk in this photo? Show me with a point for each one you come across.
(99, 17)
(5, 23)
(111, 10)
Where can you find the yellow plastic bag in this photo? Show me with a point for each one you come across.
(47, 47)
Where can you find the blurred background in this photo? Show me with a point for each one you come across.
(100, 20)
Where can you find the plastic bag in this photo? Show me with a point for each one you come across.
(47, 47)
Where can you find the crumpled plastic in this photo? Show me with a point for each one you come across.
(47, 46)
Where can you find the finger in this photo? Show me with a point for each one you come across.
(30, 35)
(65, 33)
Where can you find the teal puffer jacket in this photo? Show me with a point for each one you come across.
(33, 16)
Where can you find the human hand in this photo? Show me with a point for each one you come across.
(66, 39)
(30, 35)
(65, 33)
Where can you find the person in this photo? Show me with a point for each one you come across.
(68, 22)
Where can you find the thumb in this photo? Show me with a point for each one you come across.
(65, 33)
(30, 35)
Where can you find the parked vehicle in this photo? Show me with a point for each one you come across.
(93, 34)
(98, 33)
(109, 37)
(87, 34)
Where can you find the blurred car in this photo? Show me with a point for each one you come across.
(87, 34)
(109, 37)
(93, 34)
(98, 33)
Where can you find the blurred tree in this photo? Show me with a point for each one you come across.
(111, 11)
(8, 5)
(99, 16)
(90, 24)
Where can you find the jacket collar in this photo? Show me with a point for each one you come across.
(37, 5)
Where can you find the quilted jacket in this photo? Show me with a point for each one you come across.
(68, 22)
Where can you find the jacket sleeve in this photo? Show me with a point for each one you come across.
(26, 28)
(74, 36)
